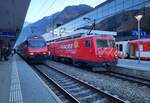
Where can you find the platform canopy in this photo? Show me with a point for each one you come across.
(12, 15)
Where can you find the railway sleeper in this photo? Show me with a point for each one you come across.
(81, 92)
(66, 82)
(103, 100)
(64, 79)
(76, 89)
(70, 85)
(88, 98)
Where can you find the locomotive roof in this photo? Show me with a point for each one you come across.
(97, 32)
(34, 37)
(86, 31)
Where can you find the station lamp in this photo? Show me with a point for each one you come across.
(138, 18)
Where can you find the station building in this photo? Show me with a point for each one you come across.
(115, 15)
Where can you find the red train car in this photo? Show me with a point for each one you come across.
(95, 49)
(34, 48)
(143, 46)
(130, 49)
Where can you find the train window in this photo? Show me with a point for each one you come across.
(117, 46)
(112, 44)
(77, 36)
(120, 47)
(37, 44)
(148, 47)
(87, 44)
(102, 43)
(141, 47)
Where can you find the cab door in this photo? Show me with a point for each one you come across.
(89, 50)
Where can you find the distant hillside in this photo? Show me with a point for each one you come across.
(26, 24)
(124, 23)
(69, 13)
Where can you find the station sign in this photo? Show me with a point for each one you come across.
(142, 33)
(8, 34)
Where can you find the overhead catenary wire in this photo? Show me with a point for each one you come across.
(41, 8)
(49, 7)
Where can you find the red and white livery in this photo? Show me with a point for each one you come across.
(34, 49)
(130, 49)
(93, 49)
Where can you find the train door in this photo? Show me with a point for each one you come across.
(87, 50)
(133, 50)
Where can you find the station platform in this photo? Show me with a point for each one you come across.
(20, 84)
(134, 68)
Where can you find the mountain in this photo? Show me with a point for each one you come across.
(69, 13)
(26, 24)
(40, 27)
(125, 23)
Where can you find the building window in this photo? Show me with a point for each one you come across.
(87, 44)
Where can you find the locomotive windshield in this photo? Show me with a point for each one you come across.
(102, 43)
(35, 44)
(105, 43)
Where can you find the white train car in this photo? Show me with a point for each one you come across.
(123, 49)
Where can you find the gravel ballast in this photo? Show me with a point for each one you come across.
(124, 89)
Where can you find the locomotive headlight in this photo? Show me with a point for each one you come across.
(31, 53)
(99, 55)
(115, 56)
(44, 53)
(49, 53)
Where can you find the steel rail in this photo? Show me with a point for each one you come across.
(111, 97)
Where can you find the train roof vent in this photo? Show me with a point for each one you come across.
(94, 32)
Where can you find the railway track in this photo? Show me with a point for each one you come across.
(125, 77)
(133, 79)
(75, 90)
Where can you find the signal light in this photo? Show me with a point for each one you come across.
(99, 55)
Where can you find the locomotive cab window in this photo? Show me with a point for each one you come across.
(37, 44)
(101, 43)
(87, 44)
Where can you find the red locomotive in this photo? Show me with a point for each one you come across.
(34, 49)
(94, 49)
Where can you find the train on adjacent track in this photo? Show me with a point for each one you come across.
(94, 49)
(130, 49)
(34, 49)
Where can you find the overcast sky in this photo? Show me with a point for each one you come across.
(40, 8)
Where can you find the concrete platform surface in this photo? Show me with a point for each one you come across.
(133, 68)
(19, 84)
(134, 64)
